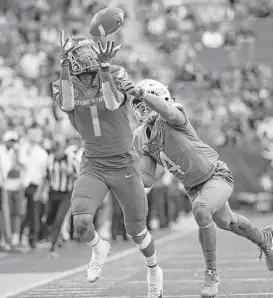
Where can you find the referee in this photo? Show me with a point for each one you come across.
(61, 175)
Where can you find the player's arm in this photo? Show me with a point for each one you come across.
(65, 96)
(170, 112)
(120, 75)
(66, 92)
(112, 97)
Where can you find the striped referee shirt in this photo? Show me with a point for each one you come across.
(61, 173)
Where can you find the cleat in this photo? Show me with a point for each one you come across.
(212, 280)
(95, 266)
(155, 284)
(267, 248)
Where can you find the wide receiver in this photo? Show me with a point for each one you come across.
(87, 92)
(166, 137)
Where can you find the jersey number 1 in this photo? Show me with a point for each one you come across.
(95, 120)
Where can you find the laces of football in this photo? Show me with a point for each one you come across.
(209, 279)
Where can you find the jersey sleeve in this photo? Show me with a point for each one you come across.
(182, 109)
(186, 127)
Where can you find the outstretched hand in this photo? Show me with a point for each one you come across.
(133, 90)
(67, 45)
(105, 54)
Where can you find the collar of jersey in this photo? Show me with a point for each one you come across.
(78, 83)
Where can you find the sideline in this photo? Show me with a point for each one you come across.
(189, 226)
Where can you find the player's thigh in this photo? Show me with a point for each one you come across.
(131, 196)
(88, 194)
(214, 194)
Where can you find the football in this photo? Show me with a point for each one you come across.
(106, 22)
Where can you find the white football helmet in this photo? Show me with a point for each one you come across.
(141, 110)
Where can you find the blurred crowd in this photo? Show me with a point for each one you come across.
(217, 61)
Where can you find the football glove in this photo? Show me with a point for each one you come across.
(106, 54)
(133, 90)
(66, 46)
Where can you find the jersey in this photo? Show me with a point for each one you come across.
(106, 133)
(178, 149)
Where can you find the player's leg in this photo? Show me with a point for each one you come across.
(132, 199)
(88, 194)
(210, 198)
(228, 220)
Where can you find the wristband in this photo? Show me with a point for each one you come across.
(105, 64)
(105, 69)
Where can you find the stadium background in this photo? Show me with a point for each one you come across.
(215, 56)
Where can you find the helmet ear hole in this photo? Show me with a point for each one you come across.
(136, 101)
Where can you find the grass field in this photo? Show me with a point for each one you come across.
(242, 275)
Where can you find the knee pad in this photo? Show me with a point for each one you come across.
(202, 214)
(82, 222)
(143, 239)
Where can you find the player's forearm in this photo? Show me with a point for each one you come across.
(66, 89)
(170, 113)
(112, 97)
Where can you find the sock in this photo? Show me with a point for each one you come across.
(147, 248)
(96, 243)
(207, 238)
(243, 227)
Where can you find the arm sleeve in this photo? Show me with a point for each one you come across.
(56, 95)
(119, 75)
(56, 91)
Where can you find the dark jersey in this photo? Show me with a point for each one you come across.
(178, 148)
(106, 133)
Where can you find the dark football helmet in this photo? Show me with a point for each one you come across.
(82, 57)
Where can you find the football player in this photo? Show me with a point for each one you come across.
(166, 137)
(89, 92)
